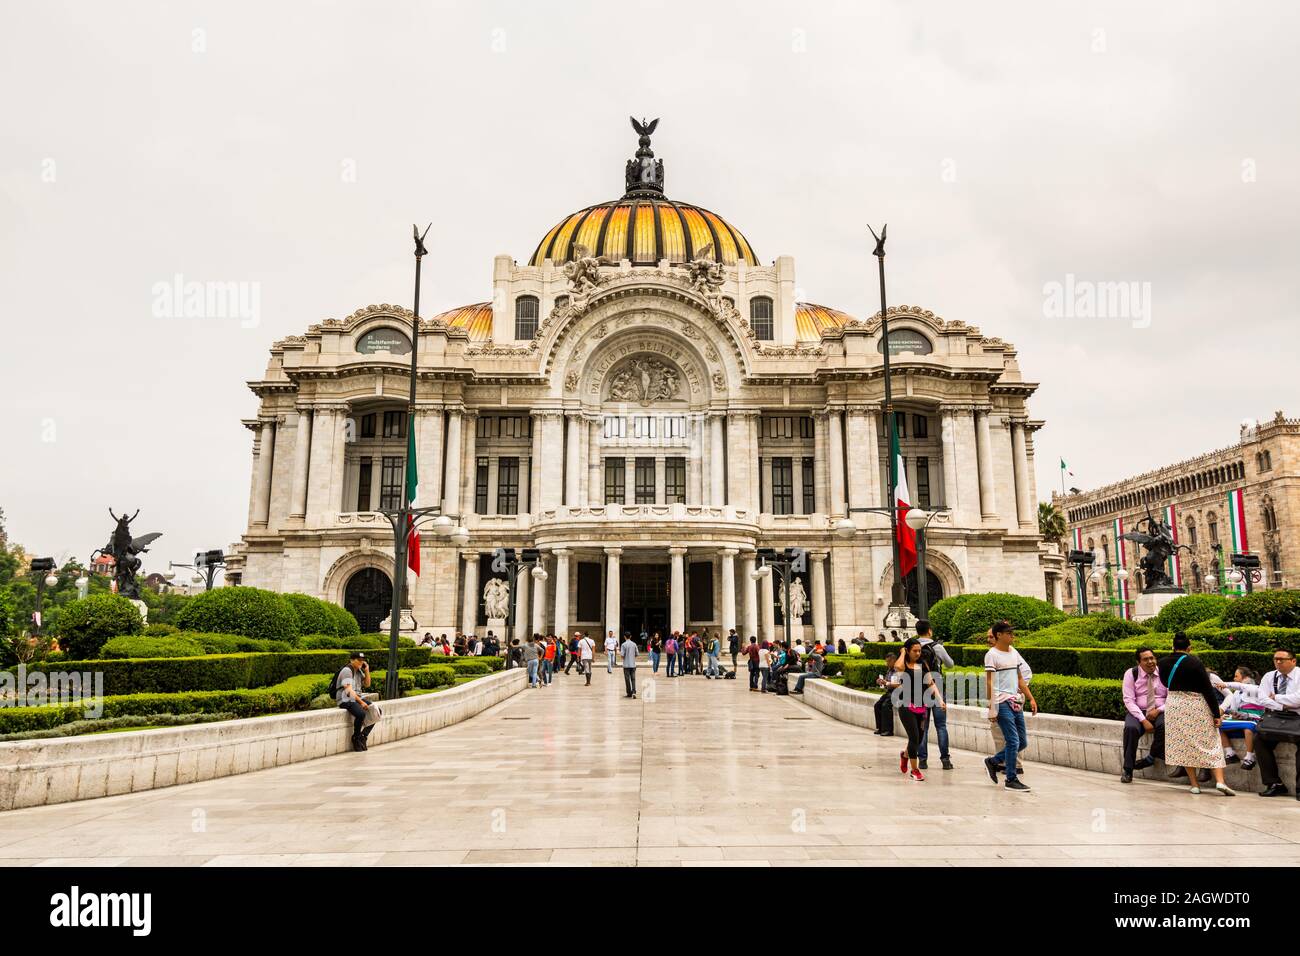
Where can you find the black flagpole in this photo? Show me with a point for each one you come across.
(896, 597)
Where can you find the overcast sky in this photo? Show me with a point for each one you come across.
(290, 146)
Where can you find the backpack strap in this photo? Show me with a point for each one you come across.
(1174, 670)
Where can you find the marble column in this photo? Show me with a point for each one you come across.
(818, 594)
(677, 590)
(695, 459)
(468, 471)
(539, 602)
(862, 463)
(595, 476)
(265, 457)
(1020, 463)
(571, 463)
(728, 589)
(523, 604)
(948, 437)
(821, 476)
(871, 456)
(301, 464)
(752, 430)
(328, 424)
(562, 592)
(552, 479)
(451, 487)
(984, 452)
(767, 600)
(749, 589)
(835, 442)
(535, 467)
(343, 429)
(469, 611)
(613, 596)
(428, 453)
(717, 458)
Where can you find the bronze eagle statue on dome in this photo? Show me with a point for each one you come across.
(644, 128)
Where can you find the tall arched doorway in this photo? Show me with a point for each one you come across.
(369, 596)
(933, 590)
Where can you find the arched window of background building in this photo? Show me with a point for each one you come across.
(1212, 526)
(1191, 532)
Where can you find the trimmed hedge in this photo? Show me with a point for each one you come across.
(144, 646)
(1263, 639)
(313, 614)
(356, 642)
(345, 625)
(1182, 612)
(1262, 609)
(1102, 628)
(425, 678)
(296, 693)
(249, 612)
(87, 624)
(942, 612)
(981, 611)
(160, 630)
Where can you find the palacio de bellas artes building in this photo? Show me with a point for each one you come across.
(643, 401)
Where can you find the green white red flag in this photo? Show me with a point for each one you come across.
(902, 505)
(412, 482)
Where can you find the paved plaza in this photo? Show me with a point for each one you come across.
(694, 772)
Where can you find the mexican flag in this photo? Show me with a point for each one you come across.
(906, 536)
(412, 482)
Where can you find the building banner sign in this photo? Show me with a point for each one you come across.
(1237, 521)
(1121, 585)
(1173, 564)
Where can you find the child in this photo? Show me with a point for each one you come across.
(1241, 711)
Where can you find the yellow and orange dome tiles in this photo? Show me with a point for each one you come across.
(810, 321)
(645, 230)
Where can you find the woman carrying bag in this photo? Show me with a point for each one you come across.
(1192, 717)
(913, 685)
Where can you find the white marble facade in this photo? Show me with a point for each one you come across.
(726, 442)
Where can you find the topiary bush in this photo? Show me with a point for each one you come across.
(345, 625)
(250, 612)
(146, 646)
(1261, 639)
(159, 630)
(981, 611)
(1263, 609)
(1088, 630)
(314, 615)
(88, 624)
(942, 612)
(1182, 612)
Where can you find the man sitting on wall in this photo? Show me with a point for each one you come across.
(351, 701)
(1144, 699)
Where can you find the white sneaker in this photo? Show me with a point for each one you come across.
(1224, 789)
(1194, 789)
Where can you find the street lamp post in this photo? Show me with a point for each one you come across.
(786, 564)
(506, 561)
(918, 519)
(204, 567)
(1082, 560)
(1111, 574)
(1240, 568)
(44, 568)
(891, 505)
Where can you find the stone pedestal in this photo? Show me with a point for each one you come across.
(796, 631)
(405, 623)
(497, 625)
(142, 608)
(1149, 603)
(900, 618)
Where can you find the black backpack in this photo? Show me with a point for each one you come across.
(930, 659)
(334, 683)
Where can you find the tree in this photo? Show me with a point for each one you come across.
(1051, 523)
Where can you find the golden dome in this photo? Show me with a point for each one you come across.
(645, 226)
(810, 321)
(475, 319)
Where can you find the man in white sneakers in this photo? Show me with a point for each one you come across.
(611, 651)
(586, 655)
(1007, 694)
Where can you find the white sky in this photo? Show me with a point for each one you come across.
(1006, 146)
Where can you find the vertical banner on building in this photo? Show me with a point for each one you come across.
(1237, 520)
(1173, 564)
(1121, 586)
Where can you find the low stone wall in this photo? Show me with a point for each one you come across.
(1084, 743)
(58, 770)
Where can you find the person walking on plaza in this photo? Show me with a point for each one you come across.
(548, 659)
(1007, 693)
(611, 651)
(587, 655)
(573, 654)
(711, 670)
(670, 649)
(531, 656)
(733, 648)
(357, 672)
(765, 664)
(656, 648)
(1279, 693)
(914, 686)
(697, 653)
(751, 655)
(936, 658)
(1192, 717)
(628, 651)
(1144, 700)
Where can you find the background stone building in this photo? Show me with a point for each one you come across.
(647, 404)
(1261, 470)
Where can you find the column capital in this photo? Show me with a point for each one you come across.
(562, 552)
(819, 555)
(613, 552)
(730, 552)
(469, 555)
(547, 413)
(678, 551)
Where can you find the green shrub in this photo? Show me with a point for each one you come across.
(941, 614)
(160, 630)
(87, 624)
(426, 678)
(463, 666)
(1084, 631)
(143, 646)
(1263, 609)
(296, 693)
(982, 611)
(314, 616)
(249, 612)
(358, 642)
(1263, 639)
(96, 725)
(1182, 612)
(345, 625)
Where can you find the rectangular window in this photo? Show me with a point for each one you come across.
(675, 426)
(508, 486)
(526, 309)
(781, 426)
(591, 595)
(363, 486)
(675, 481)
(481, 486)
(809, 487)
(920, 426)
(900, 424)
(615, 480)
(483, 428)
(615, 426)
(390, 484)
(806, 427)
(644, 426)
(394, 424)
(368, 425)
(645, 481)
(923, 482)
(760, 318)
(514, 426)
(700, 590)
(782, 487)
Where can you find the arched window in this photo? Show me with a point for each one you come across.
(1191, 532)
(1212, 526)
(760, 318)
(1196, 575)
(1069, 590)
(1268, 461)
(526, 317)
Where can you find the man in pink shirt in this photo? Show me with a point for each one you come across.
(1144, 699)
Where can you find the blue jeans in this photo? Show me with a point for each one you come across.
(712, 668)
(532, 673)
(609, 663)
(548, 667)
(654, 661)
(940, 718)
(672, 662)
(1012, 724)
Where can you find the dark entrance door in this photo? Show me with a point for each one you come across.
(644, 598)
(369, 596)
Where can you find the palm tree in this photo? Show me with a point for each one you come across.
(1051, 523)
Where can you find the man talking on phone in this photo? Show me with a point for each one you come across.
(351, 701)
